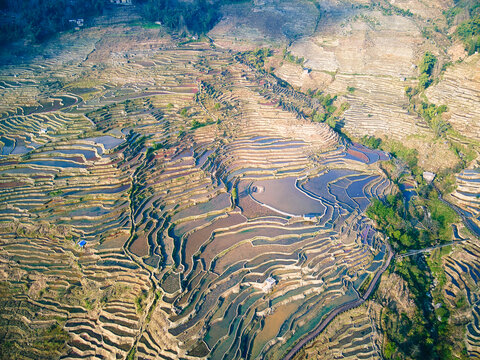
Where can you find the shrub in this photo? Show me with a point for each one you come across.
(371, 141)
(469, 33)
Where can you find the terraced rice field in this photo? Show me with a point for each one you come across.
(458, 90)
(463, 273)
(353, 336)
(190, 186)
(466, 196)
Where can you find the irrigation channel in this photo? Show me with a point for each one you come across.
(341, 309)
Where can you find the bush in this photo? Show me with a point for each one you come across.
(257, 57)
(371, 141)
(292, 58)
(424, 81)
(234, 196)
(131, 354)
(410, 156)
(469, 33)
(184, 112)
(428, 63)
(426, 66)
(389, 350)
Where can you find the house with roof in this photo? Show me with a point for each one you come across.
(121, 2)
(268, 284)
(310, 217)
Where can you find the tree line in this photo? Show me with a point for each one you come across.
(197, 17)
(39, 19)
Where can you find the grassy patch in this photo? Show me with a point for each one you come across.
(292, 58)
(131, 354)
(141, 301)
(363, 288)
(443, 215)
(371, 141)
(257, 57)
(399, 150)
(55, 192)
(198, 124)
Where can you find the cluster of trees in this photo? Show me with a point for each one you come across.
(425, 332)
(257, 57)
(428, 333)
(38, 19)
(197, 17)
(326, 100)
(331, 115)
(198, 124)
(433, 116)
(400, 225)
(390, 217)
(393, 10)
(371, 141)
(469, 33)
(287, 55)
(431, 113)
(426, 70)
(468, 30)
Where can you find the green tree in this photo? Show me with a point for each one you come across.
(428, 63)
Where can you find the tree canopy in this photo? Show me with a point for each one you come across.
(38, 19)
(198, 16)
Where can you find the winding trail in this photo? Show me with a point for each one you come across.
(342, 308)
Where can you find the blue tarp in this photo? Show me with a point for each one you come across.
(82, 243)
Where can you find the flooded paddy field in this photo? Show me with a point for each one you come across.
(172, 207)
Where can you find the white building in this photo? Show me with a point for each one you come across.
(121, 2)
(268, 284)
(77, 22)
(309, 217)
